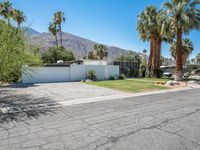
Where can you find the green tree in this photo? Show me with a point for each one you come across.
(52, 28)
(131, 56)
(101, 51)
(193, 60)
(53, 54)
(198, 58)
(187, 48)
(13, 53)
(59, 19)
(184, 16)
(91, 55)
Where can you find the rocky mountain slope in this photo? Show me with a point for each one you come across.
(78, 45)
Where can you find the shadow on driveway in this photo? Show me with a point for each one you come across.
(22, 107)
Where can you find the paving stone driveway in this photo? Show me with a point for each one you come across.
(168, 121)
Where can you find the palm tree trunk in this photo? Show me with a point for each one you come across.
(8, 20)
(56, 40)
(179, 63)
(60, 29)
(151, 53)
(159, 52)
(154, 66)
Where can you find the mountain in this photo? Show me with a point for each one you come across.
(30, 31)
(78, 45)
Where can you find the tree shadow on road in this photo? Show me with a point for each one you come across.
(23, 107)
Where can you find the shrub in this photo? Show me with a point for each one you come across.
(121, 77)
(92, 75)
(112, 78)
(14, 53)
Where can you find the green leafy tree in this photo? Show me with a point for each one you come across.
(14, 53)
(101, 51)
(52, 28)
(193, 60)
(187, 48)
(91, 55)
(198, 58)
(184, 16)
(59, 19)
(131, 56)
(53, 54)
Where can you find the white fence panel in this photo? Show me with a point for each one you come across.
(113, 71)
(99, 69)
(46, 74)
(77, 72)
(65, 74)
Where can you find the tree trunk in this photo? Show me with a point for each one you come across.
(151, 53)
(159, 45)
(60, 29)
(155, 54)
(179, 63)
(56, 40)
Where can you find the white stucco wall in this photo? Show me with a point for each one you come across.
(65, 74)
(45, 74)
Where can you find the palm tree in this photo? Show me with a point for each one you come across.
(6, 11)
(187, 48)
(19, 17)
(150, 27)
(52, 28)
(101, 51)
(198, 58)
(147, 29)
(59, 19)
(183, 16)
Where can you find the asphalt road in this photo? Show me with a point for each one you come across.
(169, 121)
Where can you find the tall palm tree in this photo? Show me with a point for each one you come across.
(187, 48)
(52, 28)
(101, 51)
(184, 16)
(19, 17)
(6, 11)
(59, 19)
(150, 27)
(147, 29)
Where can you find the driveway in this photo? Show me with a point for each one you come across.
(169, 121)
(62, 91)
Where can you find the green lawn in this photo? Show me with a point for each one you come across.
(131, 85)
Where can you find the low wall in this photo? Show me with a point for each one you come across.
(67, 74)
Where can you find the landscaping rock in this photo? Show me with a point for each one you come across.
(88, 80)
(172, 83)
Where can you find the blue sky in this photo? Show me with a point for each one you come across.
(112, 22)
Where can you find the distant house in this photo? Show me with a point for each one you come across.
(186, 68)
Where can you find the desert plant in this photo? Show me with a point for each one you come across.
(122, 77)
(111, 78)
(92, 75)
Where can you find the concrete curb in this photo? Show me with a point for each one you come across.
(116, 97)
